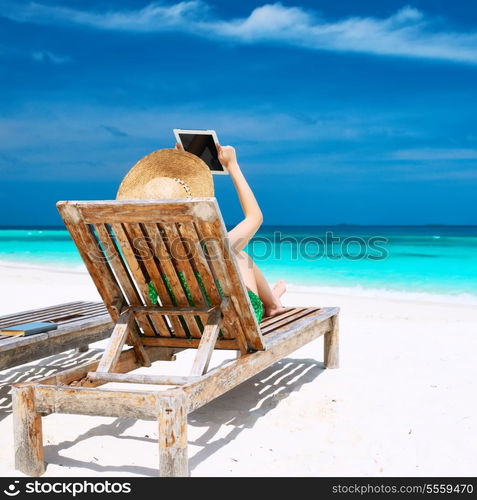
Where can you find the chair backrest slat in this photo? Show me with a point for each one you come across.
(189, 232)
(203, 273)
(185, 272)
(149, 271)
(120, 268)
(118, 265)
(168, 276)
(175, 251)
(138, 272)
(148, 211)
(173, 278)
(183, 264)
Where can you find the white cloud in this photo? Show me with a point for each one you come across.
(407, 33)
(431, 154)
(42, 56)
(153, 17)
(452, 174)
(47, 56)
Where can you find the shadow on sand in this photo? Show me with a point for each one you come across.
(238, 409)
(31, 372)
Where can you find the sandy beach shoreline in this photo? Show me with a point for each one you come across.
(401, 403)
(76, 282)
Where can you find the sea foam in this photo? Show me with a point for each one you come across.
(379, 293)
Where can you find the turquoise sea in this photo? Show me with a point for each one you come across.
(423, 259)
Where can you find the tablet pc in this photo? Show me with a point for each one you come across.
(202, 143)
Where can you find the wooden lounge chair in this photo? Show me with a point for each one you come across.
(180, 250)
(79, 324)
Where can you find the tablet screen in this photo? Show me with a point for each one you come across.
(204, 147)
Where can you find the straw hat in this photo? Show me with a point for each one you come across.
(167, 173)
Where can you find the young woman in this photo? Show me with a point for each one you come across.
(265, 300)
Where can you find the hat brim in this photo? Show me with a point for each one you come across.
(192, 174)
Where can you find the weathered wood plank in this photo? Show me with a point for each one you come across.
(92, 401)
(136, 341)
(267, 321)
(27, 432)
(15, 354)
(207, 343)
(187, 343)
(64, 320)
(113, 350)
(127, 362)
(132, 218)
(173, 437)
(232, 327)
(331, 344)
(47, 309)
(176, 311)
(170, 316)
(289, 319)
(277, 336)
(57, 314)
(56, 308)
(133, 378)
(146, 210)
(82, 325)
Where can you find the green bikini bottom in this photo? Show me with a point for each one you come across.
(153, 296)
(257, 305)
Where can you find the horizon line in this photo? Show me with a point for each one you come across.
(343, 224)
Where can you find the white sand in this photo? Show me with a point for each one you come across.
(402, 404)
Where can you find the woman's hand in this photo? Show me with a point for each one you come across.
(227, 157)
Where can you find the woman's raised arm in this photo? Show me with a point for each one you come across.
(241, 234)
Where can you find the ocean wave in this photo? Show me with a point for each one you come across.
(40, 266)
(379, 293)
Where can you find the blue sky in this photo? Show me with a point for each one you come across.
(341, 112)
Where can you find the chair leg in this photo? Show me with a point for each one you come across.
(173, 437)
(331, 344)
(27, 432)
